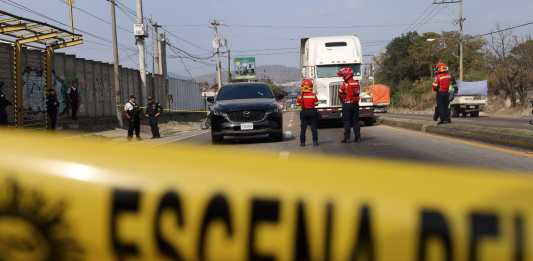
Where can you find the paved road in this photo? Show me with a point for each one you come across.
(500, 122)
(390, 143)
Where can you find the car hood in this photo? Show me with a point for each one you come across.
(245, 104)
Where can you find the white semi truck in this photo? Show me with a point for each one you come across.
(320, 59)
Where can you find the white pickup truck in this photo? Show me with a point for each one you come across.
(470, 99)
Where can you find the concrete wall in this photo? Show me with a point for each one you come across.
(96, 86)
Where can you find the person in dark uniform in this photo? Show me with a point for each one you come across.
(309, 115)
(52, 107)
(133, 115)
(4, 103)
(74, 98)
(153, 111)
(349, 96)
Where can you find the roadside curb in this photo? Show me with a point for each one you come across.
(501, 136)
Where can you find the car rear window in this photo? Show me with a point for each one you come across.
(245, 91)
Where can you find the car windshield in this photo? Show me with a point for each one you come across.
(328, 71)
(245, 91)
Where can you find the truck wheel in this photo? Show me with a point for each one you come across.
(475, 114)
(454, 112)
(217, 139)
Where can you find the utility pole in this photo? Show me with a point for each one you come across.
(71, 12)
(139, 37)
(229, 66)
(461, 40)
(461, 23)
(217, 42)
(157, 50)
(116, 62)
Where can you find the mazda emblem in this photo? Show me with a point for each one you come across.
(246, 114)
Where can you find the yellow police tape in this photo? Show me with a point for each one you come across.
(69, 200)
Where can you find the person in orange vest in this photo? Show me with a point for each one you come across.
(309, 115)
(349, 96)
(441, 86)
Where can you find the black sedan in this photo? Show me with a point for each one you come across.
(246, 109)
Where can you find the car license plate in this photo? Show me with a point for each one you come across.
(471, 107)
(247, 126)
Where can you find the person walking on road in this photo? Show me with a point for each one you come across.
(133, 115)
(153, 111)
(441, 86)
(349, 96)
(52, 108)
(74, 98)
(309, 115)
(4, 103)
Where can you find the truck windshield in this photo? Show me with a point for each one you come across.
(328, 71)
(245, 91)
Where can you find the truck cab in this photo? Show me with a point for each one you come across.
(320, 59)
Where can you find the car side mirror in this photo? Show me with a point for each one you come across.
(211, 99)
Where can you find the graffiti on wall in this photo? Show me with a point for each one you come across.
(34, 93)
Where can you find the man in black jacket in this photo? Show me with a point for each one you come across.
(74, 98)
(4, 103)
(52, 107)
(153, 111)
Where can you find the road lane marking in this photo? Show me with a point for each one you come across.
(476, 144)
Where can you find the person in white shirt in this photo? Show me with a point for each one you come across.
(133, 114)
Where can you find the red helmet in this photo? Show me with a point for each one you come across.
(307, 85)
(441, 68)
(346, 73)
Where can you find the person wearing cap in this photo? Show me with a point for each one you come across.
(309, 115)
(4, 103)
(153, 112)
(349, 96)
(132, 112)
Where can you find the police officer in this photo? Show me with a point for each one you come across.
(309, 115)
(153, 111)
(4, 103)
(52, 107)
(349, 96)
(133, 115)
(441, 86)
(74, 98)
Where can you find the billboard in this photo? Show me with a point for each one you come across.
(244, 68)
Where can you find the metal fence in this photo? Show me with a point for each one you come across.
(184, 95)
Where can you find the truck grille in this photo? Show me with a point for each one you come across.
(334, 93)
(246, 116)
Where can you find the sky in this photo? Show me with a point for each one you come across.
(269, 30)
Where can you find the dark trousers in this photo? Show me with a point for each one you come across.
(154, 125)
(443, 104)
(52, 120)
(74, 111)
(308, 117)
(350, 118)
(3, 118)
(134, 126)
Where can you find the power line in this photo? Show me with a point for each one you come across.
(269, 26)
(185, 40)
(503, 30)
(95, 16)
